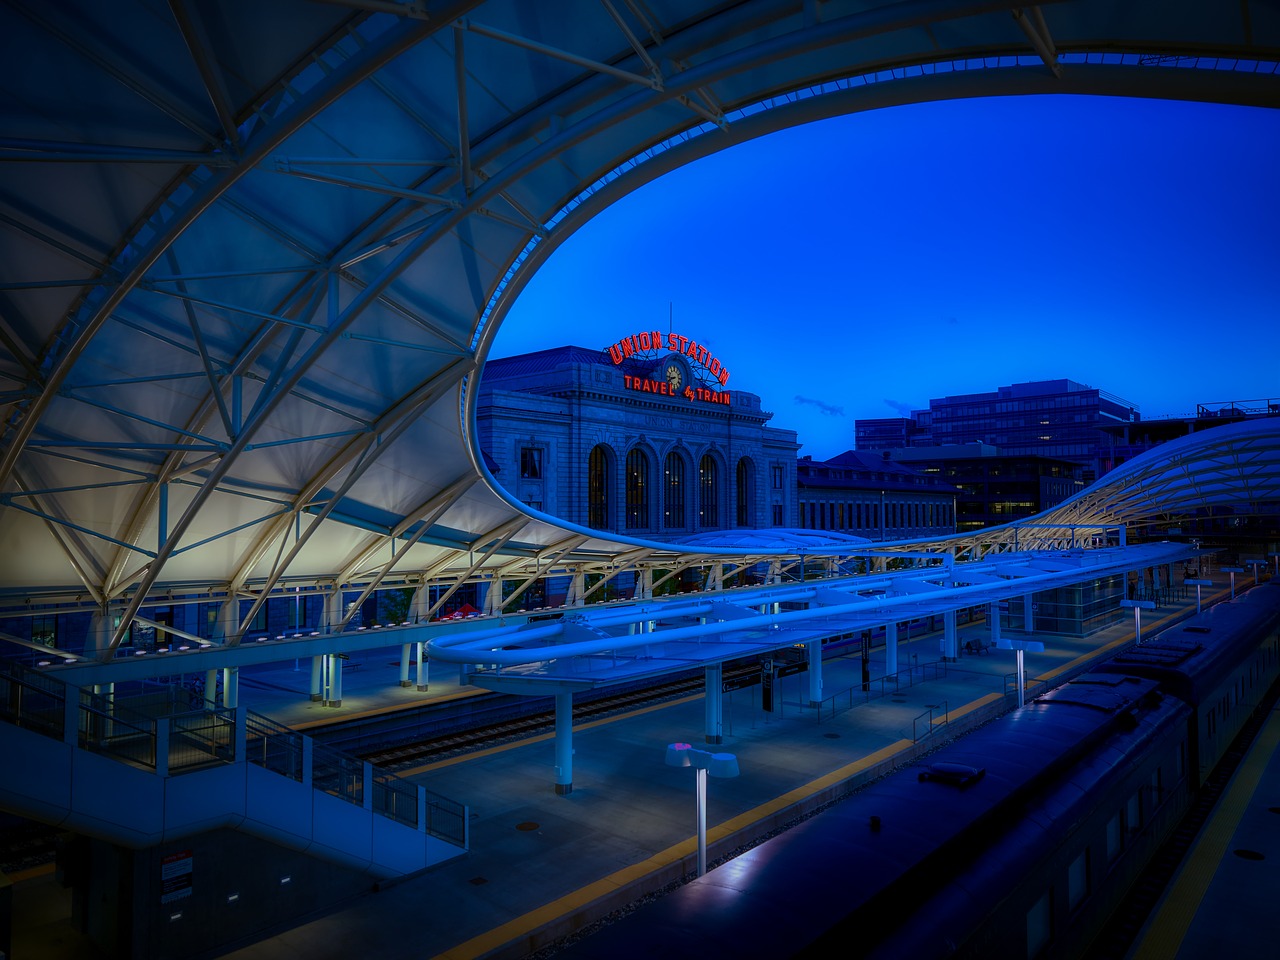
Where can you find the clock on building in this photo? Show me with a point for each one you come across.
(674, 376)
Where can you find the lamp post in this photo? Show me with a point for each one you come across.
(1233, 571)
(1021, 646)
(1138, 607)
(1198, 584)
(704, 762)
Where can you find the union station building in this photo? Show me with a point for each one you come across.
(649, 437)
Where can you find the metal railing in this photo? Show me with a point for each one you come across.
(930, 720)
(879, 687)
(174, 743)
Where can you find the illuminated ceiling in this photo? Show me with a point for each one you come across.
(255, 253)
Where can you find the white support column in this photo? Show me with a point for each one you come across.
(231, 687)
(577, 587)
(406, 652)
(100, 629)
(644, 585)
(335, 681)
(814, 649)
(422, 667)
(317, 678)
(949, 635)
(492, 597)
(211, 689)
(713, 702)
(564, 743)
(890, 648)
(333, 609)
(420, 603)
(228, 619)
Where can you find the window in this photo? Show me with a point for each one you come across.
(746, 492)
(44, 631)
(637, 490)
(1115, 837)
(777, 473)
(778, 518)
(1040, 924)
(708, 493)
(673, 499)
(1078, 880)
(598, 507)
(530, 463)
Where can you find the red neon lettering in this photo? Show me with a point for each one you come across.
(615, 353)
(724, 376)
(673, 341)
(643, 340)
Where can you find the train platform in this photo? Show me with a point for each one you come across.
(1221, 902)
(543, 866)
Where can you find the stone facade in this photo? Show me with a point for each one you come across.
(653, 446)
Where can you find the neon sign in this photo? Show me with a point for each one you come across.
(653, 340)
(665, 389)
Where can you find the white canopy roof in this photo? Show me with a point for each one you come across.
(255, 253)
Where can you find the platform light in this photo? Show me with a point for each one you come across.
(704, 762)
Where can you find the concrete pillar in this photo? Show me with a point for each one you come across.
(228, 620)
(814, 649)
(493, 598)
(713, 703)
(993, 617)
(100, 629)
(335, 683)
(564, 743)
(1028, 615)
(231, 687)
(317, 678)
(422, 667)
(577, 587)
(406, 650)
(333, 609)
(890, 648)
(949, 635)
(644, 585)
(420, 603)
(210, 689)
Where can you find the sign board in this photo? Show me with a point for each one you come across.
(1198, 583)
(343, 656)
(175, 876)
(787, 669)
(740, 683)
(766, 685)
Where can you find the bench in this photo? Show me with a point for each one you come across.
(977, 646)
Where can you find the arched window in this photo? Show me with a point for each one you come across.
(746, 493)
(599, 512)
(673, 515)
(637, 490)
(708, 493)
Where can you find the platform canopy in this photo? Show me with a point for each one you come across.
(255, 253)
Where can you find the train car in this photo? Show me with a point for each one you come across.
(1221, 662)
(1017, 840)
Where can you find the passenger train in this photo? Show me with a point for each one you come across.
(1016, 840)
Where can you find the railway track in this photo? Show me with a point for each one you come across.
(481, 735)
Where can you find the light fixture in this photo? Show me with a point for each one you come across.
(704, 762)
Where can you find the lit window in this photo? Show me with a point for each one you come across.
(531, 463)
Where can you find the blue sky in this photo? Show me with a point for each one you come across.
(859, 266)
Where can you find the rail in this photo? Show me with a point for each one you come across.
(878, 687)
(173, 743)
(932, 712)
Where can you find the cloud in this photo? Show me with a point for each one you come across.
(826, 408)
(904, 409)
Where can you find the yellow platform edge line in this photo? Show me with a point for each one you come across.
(480, 945)
(1172, 919)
